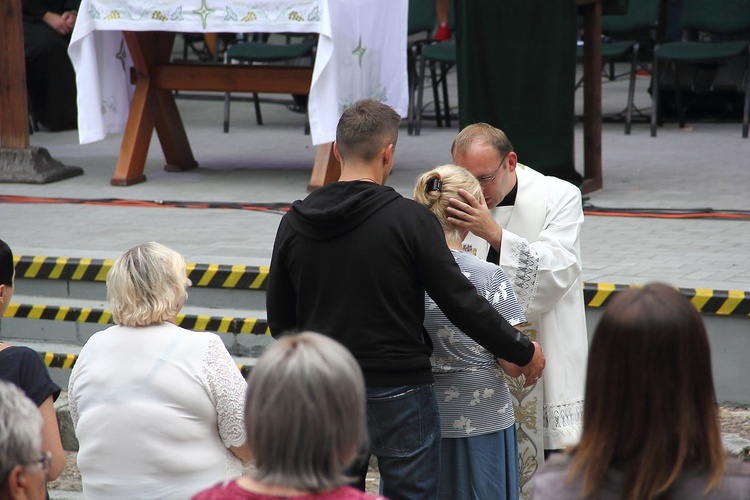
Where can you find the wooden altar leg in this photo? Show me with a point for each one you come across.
(172, 135)
(137, 137)
(326, 168)
(211, 43)
(151, 109)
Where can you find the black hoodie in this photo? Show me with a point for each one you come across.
(353, 261)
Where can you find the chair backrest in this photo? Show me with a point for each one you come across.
(421, 16)
(641, 15)
(727, 17)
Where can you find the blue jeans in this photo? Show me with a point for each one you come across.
(404, 428)
(480, 467)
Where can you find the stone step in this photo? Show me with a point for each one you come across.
(96, 313)
(95, 270)
(60, 358)
(58, 328)
(214, 285)
(67, 276)
(64, 301)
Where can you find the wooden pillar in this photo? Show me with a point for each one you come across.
(592, 95)
(20, 162)
(14, 114)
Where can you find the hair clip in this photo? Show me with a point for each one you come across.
(434, 184)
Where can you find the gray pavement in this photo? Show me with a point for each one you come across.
(707, 167)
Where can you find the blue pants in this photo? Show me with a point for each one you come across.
(404, 428)
(480, 467)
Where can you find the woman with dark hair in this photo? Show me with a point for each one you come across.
(24, 367)
(650, 423)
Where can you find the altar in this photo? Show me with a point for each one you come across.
(121, 50)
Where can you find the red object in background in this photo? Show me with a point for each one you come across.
(443, 33)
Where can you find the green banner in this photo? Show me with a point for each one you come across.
(516, 71)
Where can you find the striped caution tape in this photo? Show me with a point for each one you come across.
(55, 360)
(62, 268)
(58, 313)
(705, 300)
(67, 361)
(83, 269)
(225, 276)
(199, 322)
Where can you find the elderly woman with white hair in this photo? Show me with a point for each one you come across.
(23, 465)
(157, 409)
(305, 419)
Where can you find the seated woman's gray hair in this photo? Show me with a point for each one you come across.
(305, 413)
(20, 430)
(147, 285)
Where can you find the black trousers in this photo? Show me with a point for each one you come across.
(50, 78)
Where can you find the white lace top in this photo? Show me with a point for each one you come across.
(155, 409)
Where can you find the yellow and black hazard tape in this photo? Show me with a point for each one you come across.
(67, 361)
(220, 324)
(56, 360)
(705, 300)
(62, 268)
(202, 275)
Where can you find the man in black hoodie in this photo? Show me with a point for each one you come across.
(353, 261)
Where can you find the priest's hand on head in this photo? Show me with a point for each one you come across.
(472, 214)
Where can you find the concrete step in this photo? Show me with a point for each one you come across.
(95, 313)
(85, 277)
(57, 328)
(63, 301)
(214, 285)
(60, 357)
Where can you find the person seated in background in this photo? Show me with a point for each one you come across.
(50, 77)
(305, 421)
(650, 423)
(23, 464)
(157, 409)
(479, 452)
(23, 367)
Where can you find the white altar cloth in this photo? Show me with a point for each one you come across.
(361, 51)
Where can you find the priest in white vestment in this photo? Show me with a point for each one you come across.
(530, 225)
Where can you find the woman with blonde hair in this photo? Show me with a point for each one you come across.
(157, 409)
(305, 420)
(478, 449)
(650, 422)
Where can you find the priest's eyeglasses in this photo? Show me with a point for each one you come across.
(489, 179)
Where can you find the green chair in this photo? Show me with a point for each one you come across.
(251, 52)
(626, 33)
(730, 20)
(441, 56)
(421, 22)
